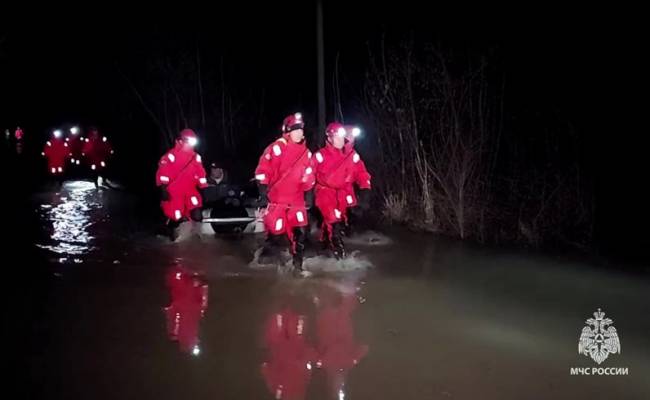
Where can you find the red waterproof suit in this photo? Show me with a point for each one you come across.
(76, 145)
(56, 151)
(181, 170)
(287, 169)
(96, 151)
(336, 173)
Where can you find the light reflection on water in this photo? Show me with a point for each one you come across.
(69, 217)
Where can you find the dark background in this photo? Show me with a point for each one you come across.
(578, 66)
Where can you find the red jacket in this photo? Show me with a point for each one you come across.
(57, 152)
(338, 170)
(181, 169)
(76, 145)
(287, 168)
(96, 151)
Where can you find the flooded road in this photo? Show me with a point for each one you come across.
(129, 315)
(71, 212)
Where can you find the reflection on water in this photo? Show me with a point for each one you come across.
(311, 330)
(188, 292)
(338, 349)
(69, 216)
(290, 358)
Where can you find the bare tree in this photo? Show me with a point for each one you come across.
(433, 128)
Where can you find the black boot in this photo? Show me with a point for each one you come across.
(196, 214)
(353, 216)
(337, 240)
(271, 251)
(299, 237)
(325, 249)
(172, 230)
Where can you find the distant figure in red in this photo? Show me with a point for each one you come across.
(338, 351)
(19, 140)
(56, 152)
(19, 134)
(96, 152)
(180, 175)
(189, 300)
(290, 359)
(75, 143)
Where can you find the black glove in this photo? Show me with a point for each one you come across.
(309, 199)
(363, 199)
(262, 199)
(164, 194)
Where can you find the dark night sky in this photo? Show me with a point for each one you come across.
(54, 70)
(57, 70)
(578, 63)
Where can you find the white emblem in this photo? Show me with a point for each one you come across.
(599, 340)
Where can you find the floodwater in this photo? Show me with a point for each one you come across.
(120, 313)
